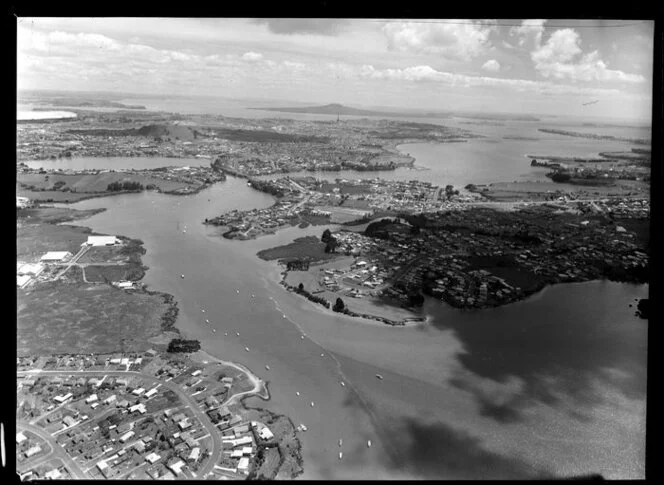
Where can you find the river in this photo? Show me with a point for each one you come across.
(551, 386)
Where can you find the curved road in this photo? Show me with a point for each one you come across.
(217, 446)
(56, 451)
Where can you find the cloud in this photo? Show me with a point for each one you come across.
(461, 41)
(561, 57)
(428, 74)
(252, 56)
(305, 26)
(529, 28)
(491, 65)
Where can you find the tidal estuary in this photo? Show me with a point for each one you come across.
(551, 386)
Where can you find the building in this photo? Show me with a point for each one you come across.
(32, 451)
(243, 465)
(151, 392)
(91, 398)
(22, 280)
(62, 399)
(197, 373)
(56, 256)
(102, 241)
(265, 433)
(29, 269)
(195, 454)
(176, 467)
(152, 458)
(20, 438)
(126, 436)
(22, 202)
(53, 474)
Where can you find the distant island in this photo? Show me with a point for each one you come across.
(341, 110)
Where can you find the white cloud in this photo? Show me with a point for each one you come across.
(252, 56)
(529, 28)
(462, 41)
(491, 65)
(428, 74)
(561, 57)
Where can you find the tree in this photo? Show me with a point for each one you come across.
(300, 287)
(326, 236)
(339, 305)
(331, 245)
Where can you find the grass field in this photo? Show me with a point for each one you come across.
(57, 318)
(32, 241)
(309, 247)
(53, 215)
(41, 187)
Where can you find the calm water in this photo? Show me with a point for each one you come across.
(551, 386)
(116, 163)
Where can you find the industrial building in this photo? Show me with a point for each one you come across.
(102, 241)
(56, 256)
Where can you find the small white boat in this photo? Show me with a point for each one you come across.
(226, 334)
(267, 367)
(283, 316)
(369, 444)
(340, 442)
(184, 231)
(297, 392)
(341, 455)
(207, 321)
(237, 291)
(247, 349)
(302, 337)
(202, 311)
(181, 276)
(304, 428)
(379, 376)
(237, 333)
(322, 355)
(253, 296)
(214, 329)
(312, 404)
(343, 384)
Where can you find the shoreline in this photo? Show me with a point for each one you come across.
(277, 275)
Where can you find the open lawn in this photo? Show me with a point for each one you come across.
(53, 215)
(32, 241)
(69, 188)
(518, 191)
(309, 247)
(57, 318)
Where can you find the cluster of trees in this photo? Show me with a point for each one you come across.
(450, 191)
(267, 187)
(316, 299)
(181, 345)
(339, 305)
(297, 265)
(117, 186)
(331, 243)
(561, 177)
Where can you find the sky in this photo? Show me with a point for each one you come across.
(529, 66)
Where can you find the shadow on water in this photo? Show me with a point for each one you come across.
(435, 450)
(552, 347)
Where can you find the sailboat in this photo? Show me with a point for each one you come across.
(247, 349)
(182, 276)
(340, 442)
(267, 367)
(369, 444)
(341, 455)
